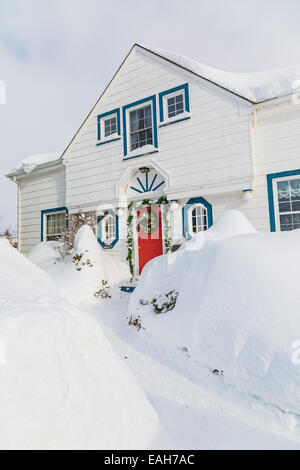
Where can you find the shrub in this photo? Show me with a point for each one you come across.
(136, 322)
(163, 303)
(74, 223)
(104, 291)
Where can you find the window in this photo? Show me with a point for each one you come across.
(288, 196)
(110, 126)
(54, 223)
(197, 216)
(175, 105)
(141, 127)
(199, 219)
(109, 228)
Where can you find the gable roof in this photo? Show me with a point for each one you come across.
(253, 87)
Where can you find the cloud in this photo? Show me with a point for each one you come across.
(57, 56)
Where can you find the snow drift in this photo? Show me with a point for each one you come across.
(61, 384)
(80, 275)
(238, 307)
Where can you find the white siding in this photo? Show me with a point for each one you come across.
(38, 191)
(276, 140)
(211, 148)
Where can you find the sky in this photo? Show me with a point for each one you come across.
(57, 56)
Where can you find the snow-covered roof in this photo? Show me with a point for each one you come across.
(255, 87)
(34, 161)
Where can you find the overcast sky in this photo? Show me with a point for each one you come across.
(58, 55)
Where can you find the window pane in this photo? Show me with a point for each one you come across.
(141, 127)
(175, 105)
(295, 189)
(283, 189)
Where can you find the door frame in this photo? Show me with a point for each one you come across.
(135, 239)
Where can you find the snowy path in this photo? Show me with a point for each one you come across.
(195, 408)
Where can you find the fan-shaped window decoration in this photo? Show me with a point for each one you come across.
(108, 230)
(199, 219)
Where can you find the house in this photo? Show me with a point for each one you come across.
(170, 145)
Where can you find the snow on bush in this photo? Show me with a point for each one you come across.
(237, 309)
(80, 275)
(61, 384)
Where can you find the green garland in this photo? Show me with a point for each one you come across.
(135, 206)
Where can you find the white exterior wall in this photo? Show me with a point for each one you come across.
(39, 191)
(207, 155)
(276, 143)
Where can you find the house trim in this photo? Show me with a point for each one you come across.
(185, 214)
(108, 246)
(151, 99)
(50, 211)
(100, 117)
(270, 178)
(163, 94)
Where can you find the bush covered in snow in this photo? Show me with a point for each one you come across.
(238, 306)
(79, 275)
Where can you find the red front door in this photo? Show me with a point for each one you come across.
(149, 227)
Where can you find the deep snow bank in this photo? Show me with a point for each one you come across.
(80, 277)
(237, 310)
(61, 384)
(20, 279)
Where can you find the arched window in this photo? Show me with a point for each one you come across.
(199, 219)
(109, 232)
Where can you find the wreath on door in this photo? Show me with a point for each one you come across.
(148, 221)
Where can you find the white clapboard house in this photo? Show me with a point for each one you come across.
(181, 138)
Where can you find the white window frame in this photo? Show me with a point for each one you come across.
(104, 221)
(102, 125)
(276, 199)
(165, 105)
(190, 218)
(130, 110)
(45, 234)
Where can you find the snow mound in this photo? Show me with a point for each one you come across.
(80, 275)
(237, 310)
(256, 86)
(61, 384)
(20, 279)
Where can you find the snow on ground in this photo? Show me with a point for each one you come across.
(78, 281)
(61, 384)
(217, 369)
(256, 86)
(237, 310)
